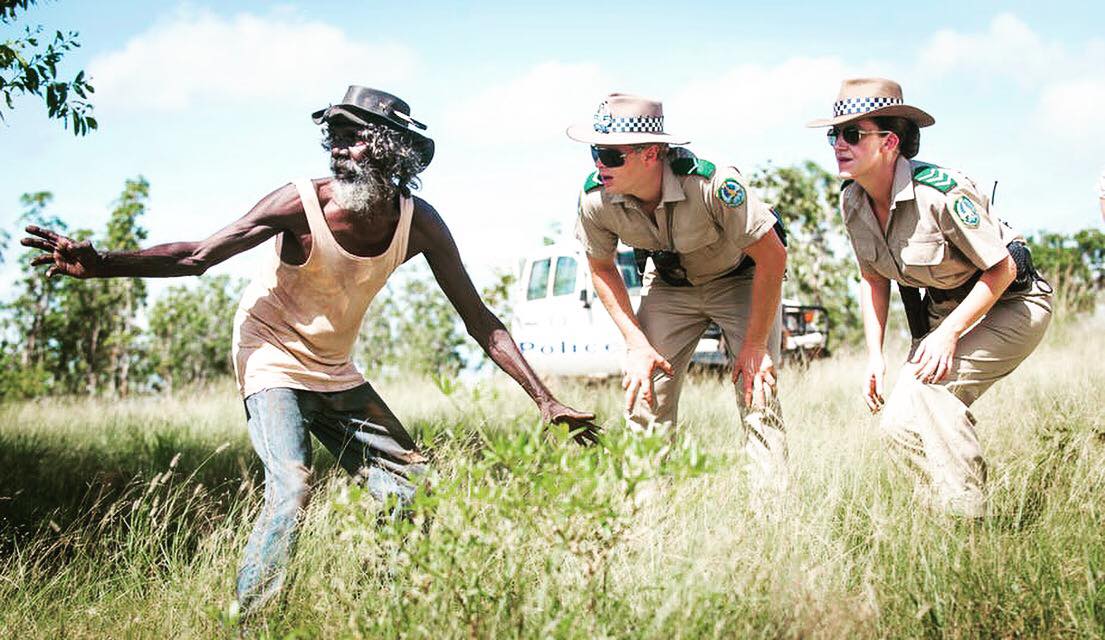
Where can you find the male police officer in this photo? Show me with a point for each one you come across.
(714, 258)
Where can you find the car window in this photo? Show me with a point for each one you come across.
(538, 286)
(565, 281)
(628, 266)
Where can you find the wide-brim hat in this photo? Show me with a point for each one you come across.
(363, 106)
(869, 98)
(625, 119)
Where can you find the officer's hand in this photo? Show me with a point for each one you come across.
(579, 424)
(935, 356)
(757, 372)
(640, 362)
(872, 382)
(64, 255)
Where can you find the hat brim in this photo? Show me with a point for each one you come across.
(585, 132)
(359, 116)
(919, 117)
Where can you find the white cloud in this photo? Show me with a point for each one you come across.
(1008, 48)
(748, 99)
(536, 106)
(200, 57)
(1074, 110)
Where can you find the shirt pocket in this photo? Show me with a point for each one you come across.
(922, 260)
(693, 234)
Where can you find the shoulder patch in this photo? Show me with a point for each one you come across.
(592, 181)
(731, 193)
(935, 177)
(692, 166)
(966, 211)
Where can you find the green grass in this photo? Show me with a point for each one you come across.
(126, 519)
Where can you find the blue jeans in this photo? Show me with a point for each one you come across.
(362, 433)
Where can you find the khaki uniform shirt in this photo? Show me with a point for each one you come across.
(940, 230)
(713, 219)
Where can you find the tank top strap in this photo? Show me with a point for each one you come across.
(320, 232)
(402, 232)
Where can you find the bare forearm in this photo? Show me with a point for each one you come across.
(767, 292)
(611, 291)
(497, 343)
(161, 261)
(874, 302)
(991, 284)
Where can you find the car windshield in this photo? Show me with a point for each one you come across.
(628, 266)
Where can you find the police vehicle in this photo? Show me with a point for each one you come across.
(563, 329)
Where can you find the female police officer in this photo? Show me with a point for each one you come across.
(984, 310)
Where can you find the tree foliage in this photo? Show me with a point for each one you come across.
(821, 269)
(1074, 264)
(411, 327)
(29, 66)
(76, 336)
(190, 331)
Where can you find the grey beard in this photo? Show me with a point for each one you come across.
(358, 189)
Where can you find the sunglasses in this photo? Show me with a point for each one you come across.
(851, 134)
(609, 157)
(342, 138)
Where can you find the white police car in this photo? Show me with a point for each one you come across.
(563, 330)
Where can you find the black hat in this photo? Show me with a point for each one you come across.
(363, 106)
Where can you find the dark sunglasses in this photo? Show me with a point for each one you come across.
(342, 138)
(608, 156)
(850, 134)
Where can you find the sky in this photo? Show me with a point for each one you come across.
(211, 101)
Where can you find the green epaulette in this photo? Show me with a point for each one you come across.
(592, 181)
(933, 176)
(690, 165)
(844, 185)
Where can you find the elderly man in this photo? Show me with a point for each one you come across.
(714, 258)
(337, 241)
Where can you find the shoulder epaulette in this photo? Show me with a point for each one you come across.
(592, 181)
(690, 165)
(844, 185)
(933, 176)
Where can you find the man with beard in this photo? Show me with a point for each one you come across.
(337, 241)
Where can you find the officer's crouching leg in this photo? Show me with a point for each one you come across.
(931, 432)
(765, 444)
(663, 415)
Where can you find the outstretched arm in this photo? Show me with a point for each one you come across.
(81, 260)
(434, 240)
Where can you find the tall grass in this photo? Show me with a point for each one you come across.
(126, 520)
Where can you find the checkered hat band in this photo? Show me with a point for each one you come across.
(629, 124)
(849, 106)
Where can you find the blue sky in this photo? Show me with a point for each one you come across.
(210, 101)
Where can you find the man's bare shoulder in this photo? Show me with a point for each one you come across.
(428, 230)
(281, 205)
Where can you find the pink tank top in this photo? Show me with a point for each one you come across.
(296, 324)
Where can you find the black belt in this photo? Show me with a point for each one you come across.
(1026, 275)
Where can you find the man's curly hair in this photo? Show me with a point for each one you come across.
(393, 157)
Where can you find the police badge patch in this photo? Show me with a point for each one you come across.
(731, 193)
(966, 211)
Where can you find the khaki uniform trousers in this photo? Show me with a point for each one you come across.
(674, 319)
(930, 426)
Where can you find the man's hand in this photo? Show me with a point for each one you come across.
(935, 355)
(64, 255)
(640, 362)
(755, 368)
(580, 424)
(873, 382)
